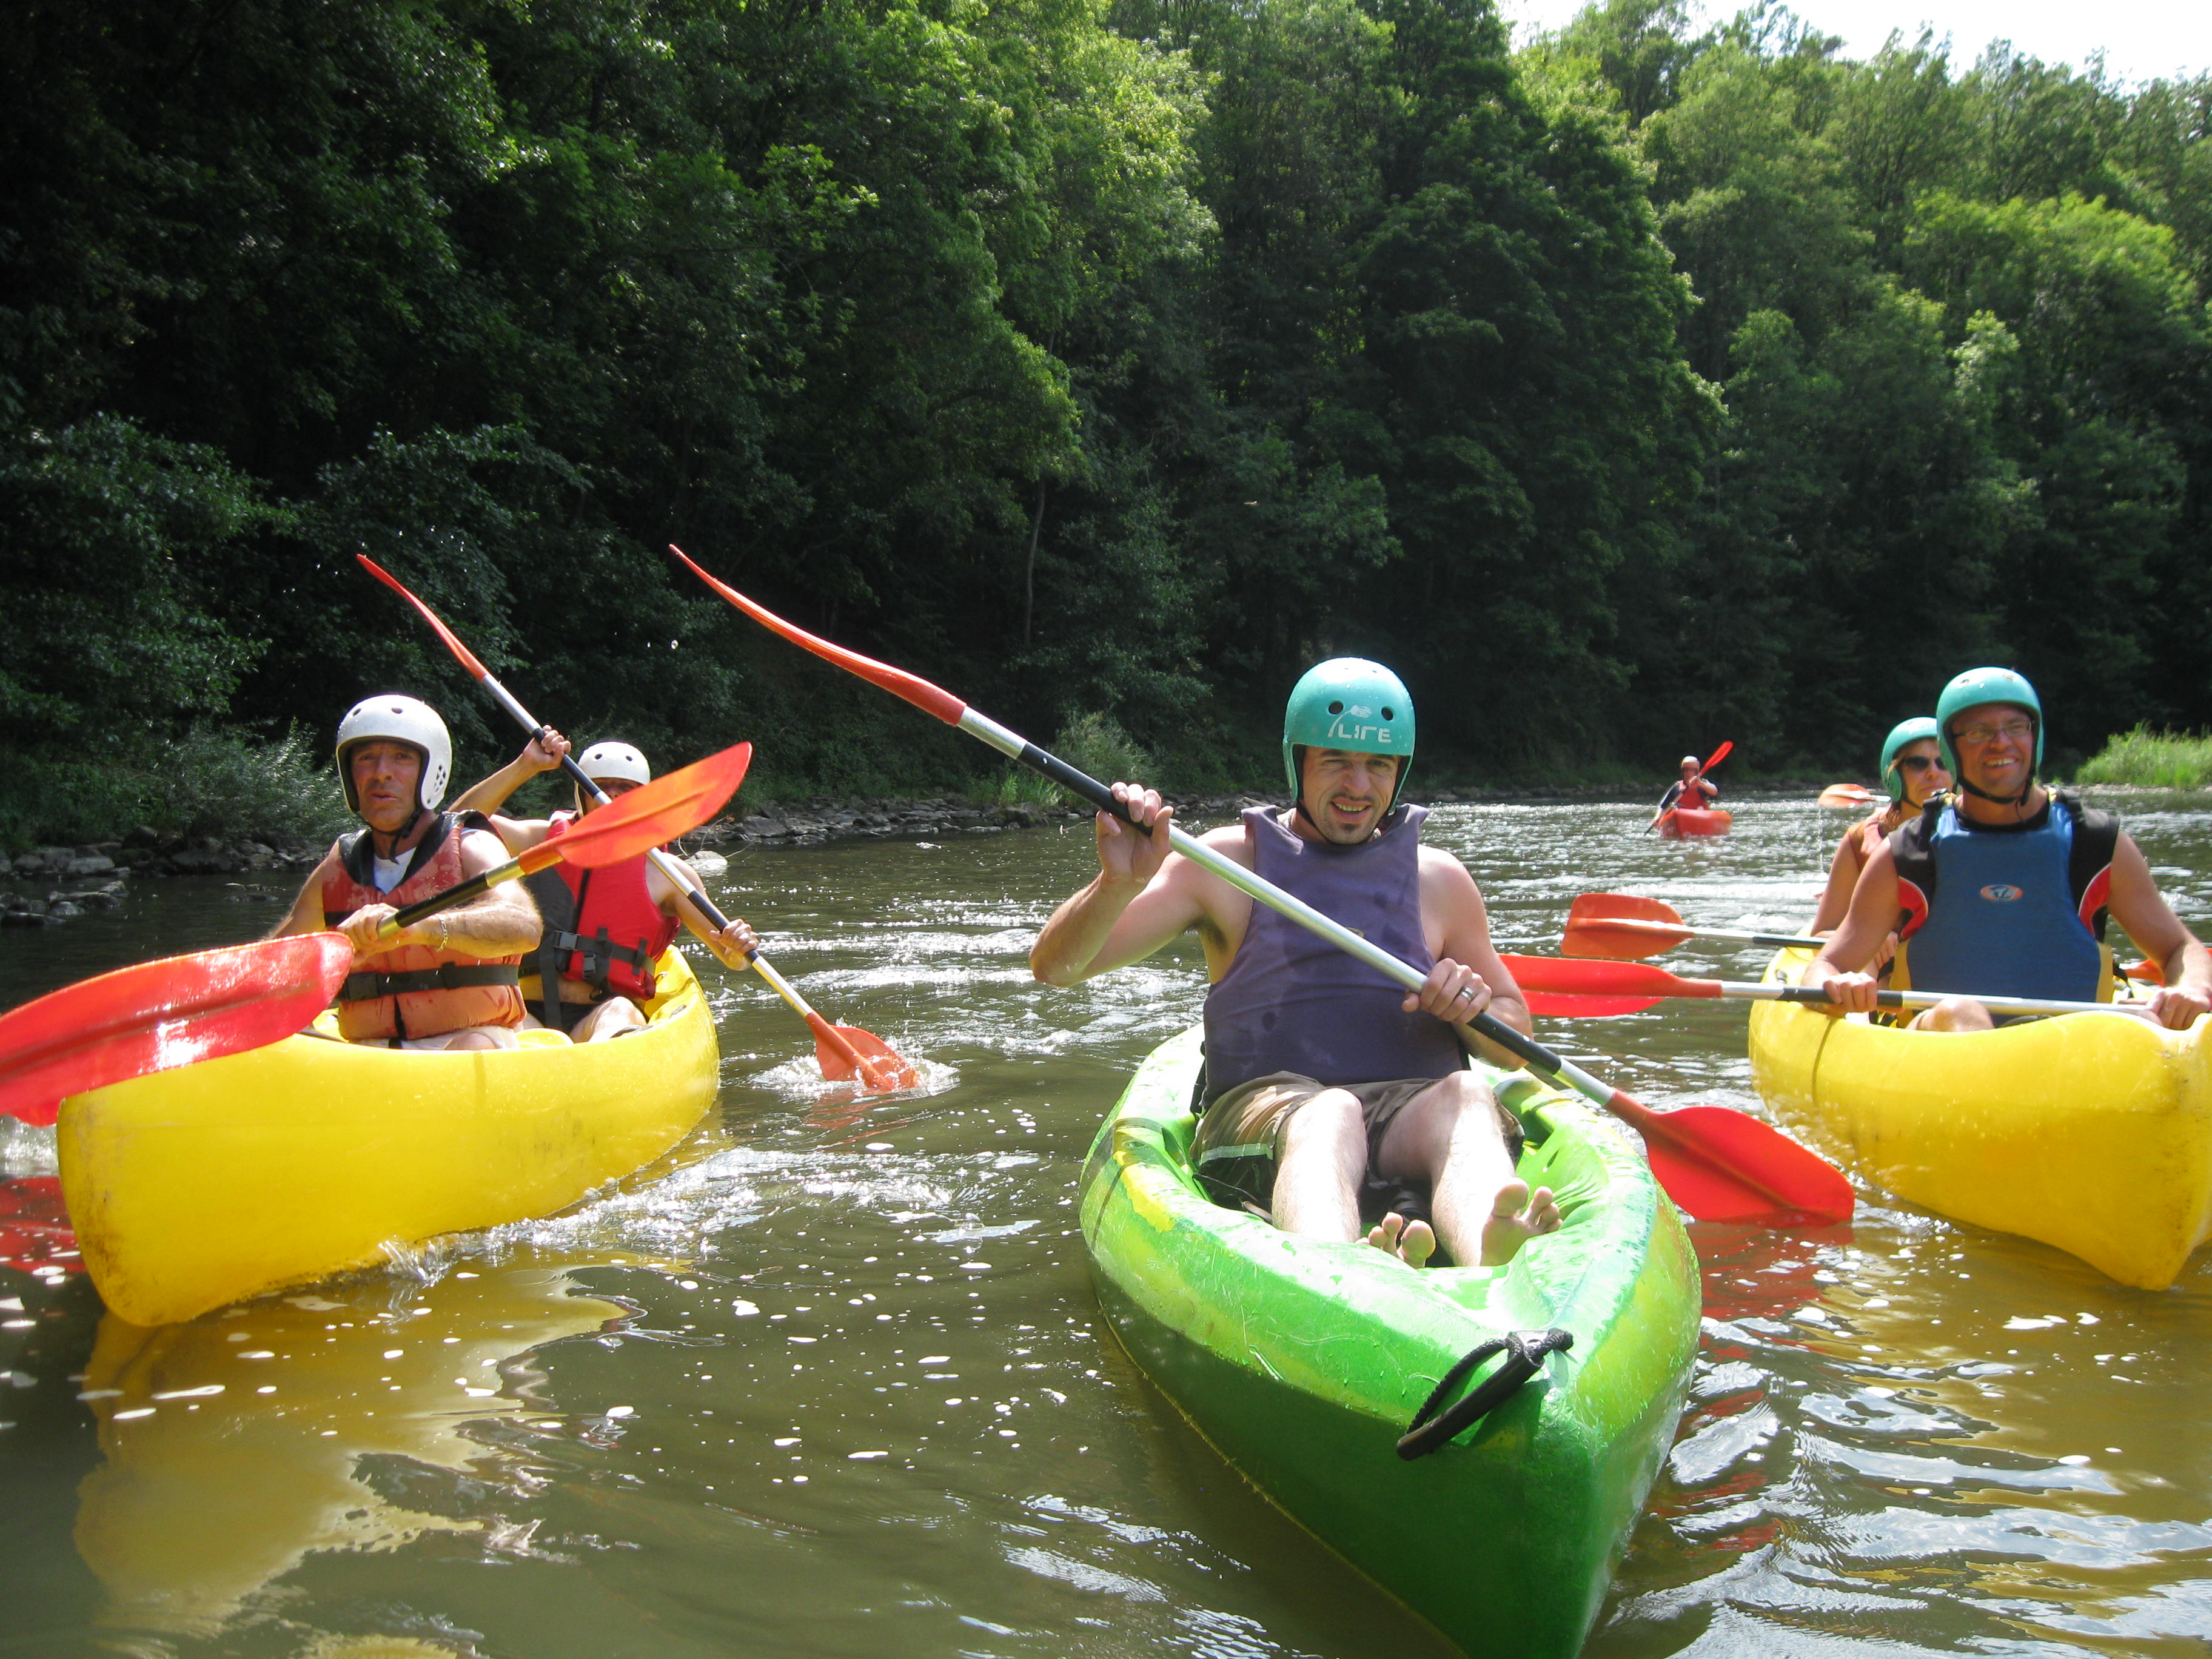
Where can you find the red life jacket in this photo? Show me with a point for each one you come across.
(413, 991)
(611, 933)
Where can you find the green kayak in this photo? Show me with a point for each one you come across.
(1303, 1362)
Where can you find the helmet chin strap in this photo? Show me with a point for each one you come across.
(392, 842)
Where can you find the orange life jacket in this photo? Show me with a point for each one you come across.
(412, 991)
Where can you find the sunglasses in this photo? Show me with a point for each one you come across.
(1916, 763)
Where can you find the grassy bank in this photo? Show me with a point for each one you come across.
(2155, 760)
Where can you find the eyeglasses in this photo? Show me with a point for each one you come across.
(2011, 732)
(1916, 763)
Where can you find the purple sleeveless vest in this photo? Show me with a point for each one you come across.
(1292, 1002)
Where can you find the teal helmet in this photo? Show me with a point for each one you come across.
(1349, 703)
(1919, 729)
(1981, 685)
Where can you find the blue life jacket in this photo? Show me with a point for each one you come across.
(2009, 910)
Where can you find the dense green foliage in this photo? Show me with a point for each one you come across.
(1096, 357)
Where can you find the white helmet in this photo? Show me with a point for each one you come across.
(603, 760)
(404, 720)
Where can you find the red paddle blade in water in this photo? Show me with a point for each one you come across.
(157, 1015)
(1721, 1165)
(863, 1054)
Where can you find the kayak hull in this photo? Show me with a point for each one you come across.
(2090, 1133)
(1685, 821)
(199, 1186)
(1303, 1362)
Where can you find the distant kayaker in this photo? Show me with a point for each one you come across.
(1692, 789)
(449, 981)
(1319, 1070)
(2004, 891)
(1912, 771)
(605, 928)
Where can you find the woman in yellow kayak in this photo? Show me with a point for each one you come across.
(605, 928)
(1912, 771)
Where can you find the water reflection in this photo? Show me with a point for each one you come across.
(354, 1419)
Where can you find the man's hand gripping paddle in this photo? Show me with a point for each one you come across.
(1621, 927)
(1717, 1164)
(841, 1051)
(157, 1015)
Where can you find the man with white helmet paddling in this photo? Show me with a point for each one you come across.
(2005, 892)
(605, 928)
(450, 982)
(1319, 1072)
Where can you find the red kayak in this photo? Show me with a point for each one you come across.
(1694, 821)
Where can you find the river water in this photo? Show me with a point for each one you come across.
(833, 1381)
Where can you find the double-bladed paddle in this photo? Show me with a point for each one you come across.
(841, 1051)
(673, 805)
(1561, 986)
(153, 1016)
(1717, 1164)
(1718, 755)
(1621, 927)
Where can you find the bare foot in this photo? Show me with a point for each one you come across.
(1412, 1242)
(1516, 1217)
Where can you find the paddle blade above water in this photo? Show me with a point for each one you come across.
(1593, 930)
(634, 823)
(1722, 1165)
(1848, 794)
(158, 1015)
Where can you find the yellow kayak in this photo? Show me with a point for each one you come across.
(2090, 1132)
(195, 1187)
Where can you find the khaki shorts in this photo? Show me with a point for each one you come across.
(1240, 1136)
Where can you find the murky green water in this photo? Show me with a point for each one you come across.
(838, 1384)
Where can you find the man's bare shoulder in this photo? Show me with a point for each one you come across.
(1446, 868)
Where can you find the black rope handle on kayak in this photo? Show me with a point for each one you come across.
(1525, 1349)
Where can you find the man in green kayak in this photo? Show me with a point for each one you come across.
(1320, 1072)
(2004, 889)
(447, 982)
(604, 928)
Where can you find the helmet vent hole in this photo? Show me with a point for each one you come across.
(1336, 708)
(1389, 713)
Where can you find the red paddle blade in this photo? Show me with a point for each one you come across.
(466, 658)
(1847, 794)
(157, 1015)
(1570, 977)
(1566, 1005)
(1595, 927)
(34, 1229)
(2145, 972)
(930, 699)
(1720, 1165)
(878, 1065)
(636, 823)
(1719, 755)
